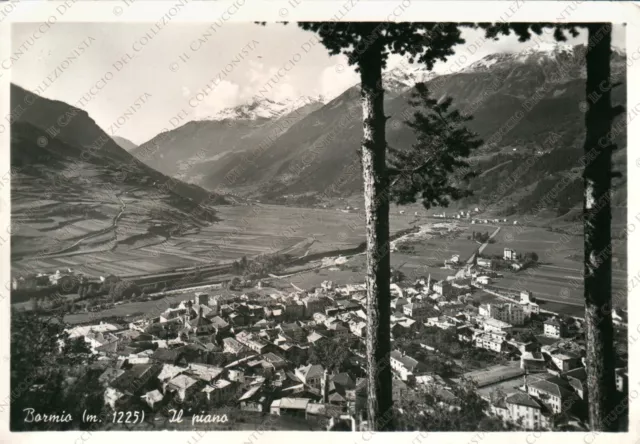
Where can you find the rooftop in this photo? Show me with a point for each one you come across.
(522, 399)
(310, 371)
(183, 382)
(291, 403)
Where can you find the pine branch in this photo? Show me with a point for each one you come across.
(410, 171)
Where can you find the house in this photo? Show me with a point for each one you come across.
(483, 280)
(233, 346)
(292, 331)
(317, 410)
(555, 393)
(444, 288)
(313, 304)
(530, 308)
(407, 367)
(401, 327)
(276, 361)
(252, 342)
(294, 352)
(182, 386)
(490, 341)
(310, 375)
(619, 316)
(555, 328)
(441, 322)
(296, 407)
(495, 325)
(533, 362)
(200, 298)
(577, 378)
(254, 400)
(96, 335)
(169, 372)
(153, 397)
(219, 325)
(220, 391)
(358, 328)
(485, 263)
(172, 314)
(510, 313)
(510, 255)
(338, 330)
(135, 381)
(204, 372)
(622, 380)
(102, 342)
(348, 305)
(319, 318)
(169, 356)
(293, 310)
(465, 333)
(526, 297)
(109, 375)
(524, 409)
(565, 361)
(416, 310)
(316, 337)
(200, 325)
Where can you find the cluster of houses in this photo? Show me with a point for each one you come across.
(65, 278)
(458, 215)
(251, 352)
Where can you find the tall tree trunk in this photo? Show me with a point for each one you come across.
(597, 233)
(374, 172)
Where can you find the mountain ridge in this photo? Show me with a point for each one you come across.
(78, 190)
(545, 83)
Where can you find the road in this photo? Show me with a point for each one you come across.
(483, 246)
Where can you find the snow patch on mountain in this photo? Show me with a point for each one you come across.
(404, 77)
(264, 108)
(539, 52)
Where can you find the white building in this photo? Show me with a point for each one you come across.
(310, 375)
(554, 328)
(527, 411)
(490, 341)
(510, 255)
(565, 361)
(533, 362)
(495, 325)
(511, 313)
(406, 367)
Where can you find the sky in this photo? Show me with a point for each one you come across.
(136, 80)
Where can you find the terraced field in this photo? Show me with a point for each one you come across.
(130, 249)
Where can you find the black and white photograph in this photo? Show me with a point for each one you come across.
(334, 224)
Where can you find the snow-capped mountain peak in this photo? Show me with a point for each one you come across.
(264, 108)
(401, 78)
(536, 52)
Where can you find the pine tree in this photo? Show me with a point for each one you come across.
(434, 169)
(597, 231)
(596, 210)
(368, 46)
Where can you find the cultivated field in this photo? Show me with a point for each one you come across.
(130, 249)
(559, 277)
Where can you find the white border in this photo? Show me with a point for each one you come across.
(416, 10)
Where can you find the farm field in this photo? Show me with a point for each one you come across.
(242, 231)
(559, 277)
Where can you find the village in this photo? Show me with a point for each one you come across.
(302, 354)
